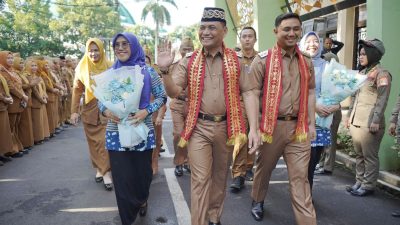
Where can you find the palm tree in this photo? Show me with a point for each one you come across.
(160, 15)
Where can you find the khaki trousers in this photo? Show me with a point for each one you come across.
(178, 120)
(297, 157)
(366, 146)
(209, 160)
(95, 136)
(328, 160)
(243, 162)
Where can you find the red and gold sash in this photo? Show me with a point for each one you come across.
(273, 91)
(231, 72)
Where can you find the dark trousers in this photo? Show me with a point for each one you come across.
(132, 175)
(314, 159)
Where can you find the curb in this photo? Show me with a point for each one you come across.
(387, 179)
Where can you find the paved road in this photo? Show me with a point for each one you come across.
(54, 185)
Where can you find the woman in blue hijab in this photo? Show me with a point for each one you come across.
(311, 44)
(132, 171)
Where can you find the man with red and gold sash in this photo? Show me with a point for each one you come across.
(214, 123)
(286, 78)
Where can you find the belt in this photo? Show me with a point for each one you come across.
(287, 118)
(212, 117)
(182, 98)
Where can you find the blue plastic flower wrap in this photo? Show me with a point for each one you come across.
(337, 84)
(119, 90)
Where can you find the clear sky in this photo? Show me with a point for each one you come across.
(189, 12)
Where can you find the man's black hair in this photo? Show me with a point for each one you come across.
(286, 16)
(249, 28)
(62, 57)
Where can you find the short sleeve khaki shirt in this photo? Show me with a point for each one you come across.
(213, 99)
(290, 98)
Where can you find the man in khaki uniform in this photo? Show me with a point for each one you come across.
(242, 167)
(366, 117)
(178, 108)
(214, 118)
(286, 78)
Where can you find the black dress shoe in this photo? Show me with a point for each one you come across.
(5, 159)
(98, 179)
(396, 214)
(237, 184)
(361, 192)
(353, 188)
(257, 210)
(143, 210)
(39, 142)
(25, 151)
(249, 175)
(178, 170)
(17, 155)
(211, 223)
(108, 187)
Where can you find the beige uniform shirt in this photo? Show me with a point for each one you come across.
(369, 102)
(290, 99)
(213, 99)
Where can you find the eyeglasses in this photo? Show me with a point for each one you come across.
(124, 45)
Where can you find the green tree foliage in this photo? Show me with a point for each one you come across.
(79, 20)
(24, 28)
(30, 27)
(190, 31)
(159, 13)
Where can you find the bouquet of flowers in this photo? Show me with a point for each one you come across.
(337, 84)
(119, 90)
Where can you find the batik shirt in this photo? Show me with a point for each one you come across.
(160, 98)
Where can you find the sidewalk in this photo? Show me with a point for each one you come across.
(388, 180)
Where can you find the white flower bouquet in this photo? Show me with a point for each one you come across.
(337, 84)
(119, 90)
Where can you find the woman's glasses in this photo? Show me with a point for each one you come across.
(122, 45)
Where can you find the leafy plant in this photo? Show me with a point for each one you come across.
(345, 144)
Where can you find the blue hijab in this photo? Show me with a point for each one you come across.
(318, 62)
(137, 57)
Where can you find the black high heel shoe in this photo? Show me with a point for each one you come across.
(108, 187)
(143, 210)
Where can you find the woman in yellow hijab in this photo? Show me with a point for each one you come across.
(92, 63)
(52, 93)
(25, 128)
(20, 99)
(39, 101)
(5, 131)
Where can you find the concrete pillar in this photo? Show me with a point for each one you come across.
(264, 21)
(382, 22)
(231, 38)
(345, 34)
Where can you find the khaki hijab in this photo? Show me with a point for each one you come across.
(87, 67)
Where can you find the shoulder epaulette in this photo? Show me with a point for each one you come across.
(239, 54)
(263, 54)
(189, 54)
